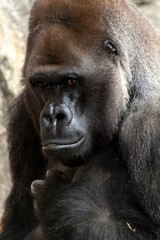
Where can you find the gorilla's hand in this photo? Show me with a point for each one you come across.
(83, 209)
(48, 197)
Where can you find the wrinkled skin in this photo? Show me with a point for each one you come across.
(91, 83)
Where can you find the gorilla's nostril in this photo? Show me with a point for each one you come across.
(60, 117)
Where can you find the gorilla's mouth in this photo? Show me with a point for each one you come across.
(62, 145)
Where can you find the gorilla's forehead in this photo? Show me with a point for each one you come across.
(71, 12)
(86, 14)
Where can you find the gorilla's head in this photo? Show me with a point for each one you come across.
(78, 76)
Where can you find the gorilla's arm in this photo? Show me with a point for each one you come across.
(26, 163)
(99, 206)
(140, 139)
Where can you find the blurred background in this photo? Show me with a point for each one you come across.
(13, 32)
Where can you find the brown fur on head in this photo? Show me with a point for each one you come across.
(92, 21)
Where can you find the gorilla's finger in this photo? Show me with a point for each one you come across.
(37, 186)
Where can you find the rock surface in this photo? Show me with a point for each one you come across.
(13, 32)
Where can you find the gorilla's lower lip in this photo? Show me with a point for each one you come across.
(60, 146)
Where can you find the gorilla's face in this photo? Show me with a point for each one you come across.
(77, 85)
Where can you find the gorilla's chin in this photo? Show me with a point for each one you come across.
(68, 153)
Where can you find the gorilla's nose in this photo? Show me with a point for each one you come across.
(57, 116)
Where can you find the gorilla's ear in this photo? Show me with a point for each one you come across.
(110, 46)
(138, 47)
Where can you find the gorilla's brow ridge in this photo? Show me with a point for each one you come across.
(51, 75)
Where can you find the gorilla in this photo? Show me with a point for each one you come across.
(85, 129)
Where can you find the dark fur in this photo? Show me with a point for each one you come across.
(99, 206)
(118, 98)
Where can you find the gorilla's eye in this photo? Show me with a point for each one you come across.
(110, 45)
(43, 85)
(71, 82)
